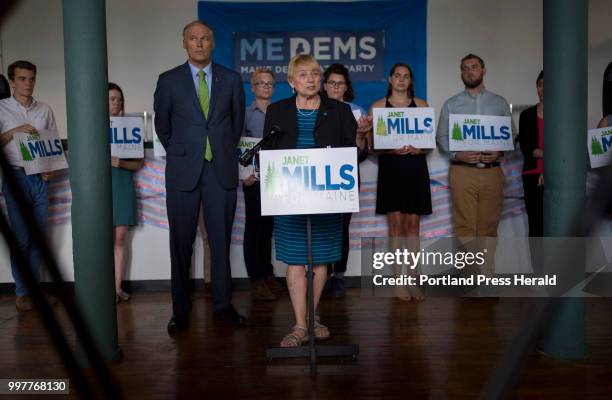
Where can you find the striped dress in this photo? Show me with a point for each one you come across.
(290, 230)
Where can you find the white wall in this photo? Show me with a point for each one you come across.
(144, 39)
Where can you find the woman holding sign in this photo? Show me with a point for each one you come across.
(337, 85)
(308, 120)
(124, 197)
(403, 191)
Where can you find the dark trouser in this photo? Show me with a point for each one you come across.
(257, 247)
(534, 203)
(340, 266)
(219, 206)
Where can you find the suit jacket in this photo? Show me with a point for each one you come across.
(182, 128)
(528, 137)
(335, 125)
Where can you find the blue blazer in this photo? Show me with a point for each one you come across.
(182, 128)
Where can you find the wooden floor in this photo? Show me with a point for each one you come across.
(439, 349)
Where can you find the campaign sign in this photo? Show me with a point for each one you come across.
(398, 127)
(41, 152)
(158, 147)
(479, 133)
(309, 181)
(361, 52)
(599, 142)
(126, 136)
(246, 143)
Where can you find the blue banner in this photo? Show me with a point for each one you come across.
(402, 24)
(361, 52)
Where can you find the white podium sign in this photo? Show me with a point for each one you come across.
(599, 143)
(126, 136)
(398, 127)
(246, 143)
(41, 152)
(479, 133)
(309, 181)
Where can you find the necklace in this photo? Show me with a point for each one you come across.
(306, 114)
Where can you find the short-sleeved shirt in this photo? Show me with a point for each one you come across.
(484, 103)
(254, 121)
(13, 114)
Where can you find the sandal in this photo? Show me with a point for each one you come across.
(320, 330)
(298, 336)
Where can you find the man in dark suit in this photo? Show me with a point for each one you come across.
(199, 114)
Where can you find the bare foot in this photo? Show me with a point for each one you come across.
(402, 293)
(416, 293)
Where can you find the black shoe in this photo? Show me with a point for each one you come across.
(229, 316)
(177, 324)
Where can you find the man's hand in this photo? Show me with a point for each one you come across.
(8, 135)
(538, 153)
(27, 128)
(115, 161)
(249, 181)
(469, 157)
(489, 157)
(46, 176)
(541, 180)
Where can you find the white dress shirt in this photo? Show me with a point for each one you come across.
(13, 114)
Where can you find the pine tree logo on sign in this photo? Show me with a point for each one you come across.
(457, 135)
(381, 127)
(25, 153)
(596, 148)
(271, 179)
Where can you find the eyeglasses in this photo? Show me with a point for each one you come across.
(264, 83)
(336, 83)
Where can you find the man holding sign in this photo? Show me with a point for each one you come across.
(475, 176)
(22, 114)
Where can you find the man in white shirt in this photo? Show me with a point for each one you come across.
(21, 113)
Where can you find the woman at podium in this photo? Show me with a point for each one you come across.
(308, 120)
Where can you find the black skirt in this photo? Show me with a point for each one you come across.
(403, 184)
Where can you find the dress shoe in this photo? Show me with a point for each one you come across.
(229, 316)
(177, 324)
(261, 292)
(24, 303)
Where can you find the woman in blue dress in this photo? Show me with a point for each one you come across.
(308, 120)
(125, 213)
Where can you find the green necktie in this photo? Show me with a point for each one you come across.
(204, 103)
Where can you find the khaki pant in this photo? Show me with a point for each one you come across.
(477, 197)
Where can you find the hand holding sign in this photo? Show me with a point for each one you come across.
(479, 133)
(599, 143)
(41, 152)
(396, 128)
(126, 137)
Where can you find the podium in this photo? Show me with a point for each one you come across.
(309, 182)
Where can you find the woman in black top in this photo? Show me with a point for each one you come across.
(403, 191)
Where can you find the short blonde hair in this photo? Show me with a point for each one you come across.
(261, 70)
(297, 61)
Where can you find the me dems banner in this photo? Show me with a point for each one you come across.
(366, 36)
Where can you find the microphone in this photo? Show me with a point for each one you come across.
(246, 158)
